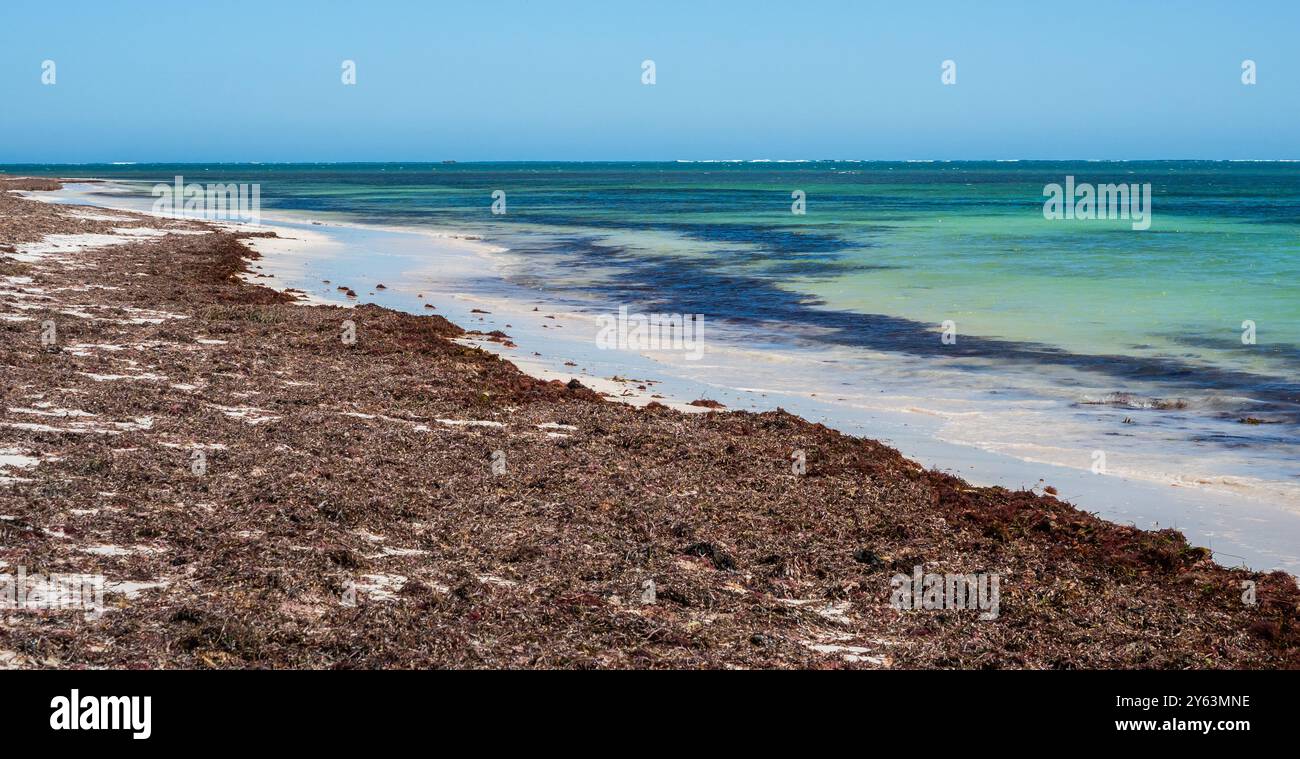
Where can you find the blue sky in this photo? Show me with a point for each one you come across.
(505, 80)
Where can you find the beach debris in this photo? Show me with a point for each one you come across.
(868, 557)
(721, 560)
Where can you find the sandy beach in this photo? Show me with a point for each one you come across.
(270, 482)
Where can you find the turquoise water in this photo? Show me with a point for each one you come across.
(1072, 336)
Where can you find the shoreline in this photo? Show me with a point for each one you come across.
(1245, 523)
(349, 513)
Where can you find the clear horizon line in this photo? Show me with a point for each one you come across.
(654, 160)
